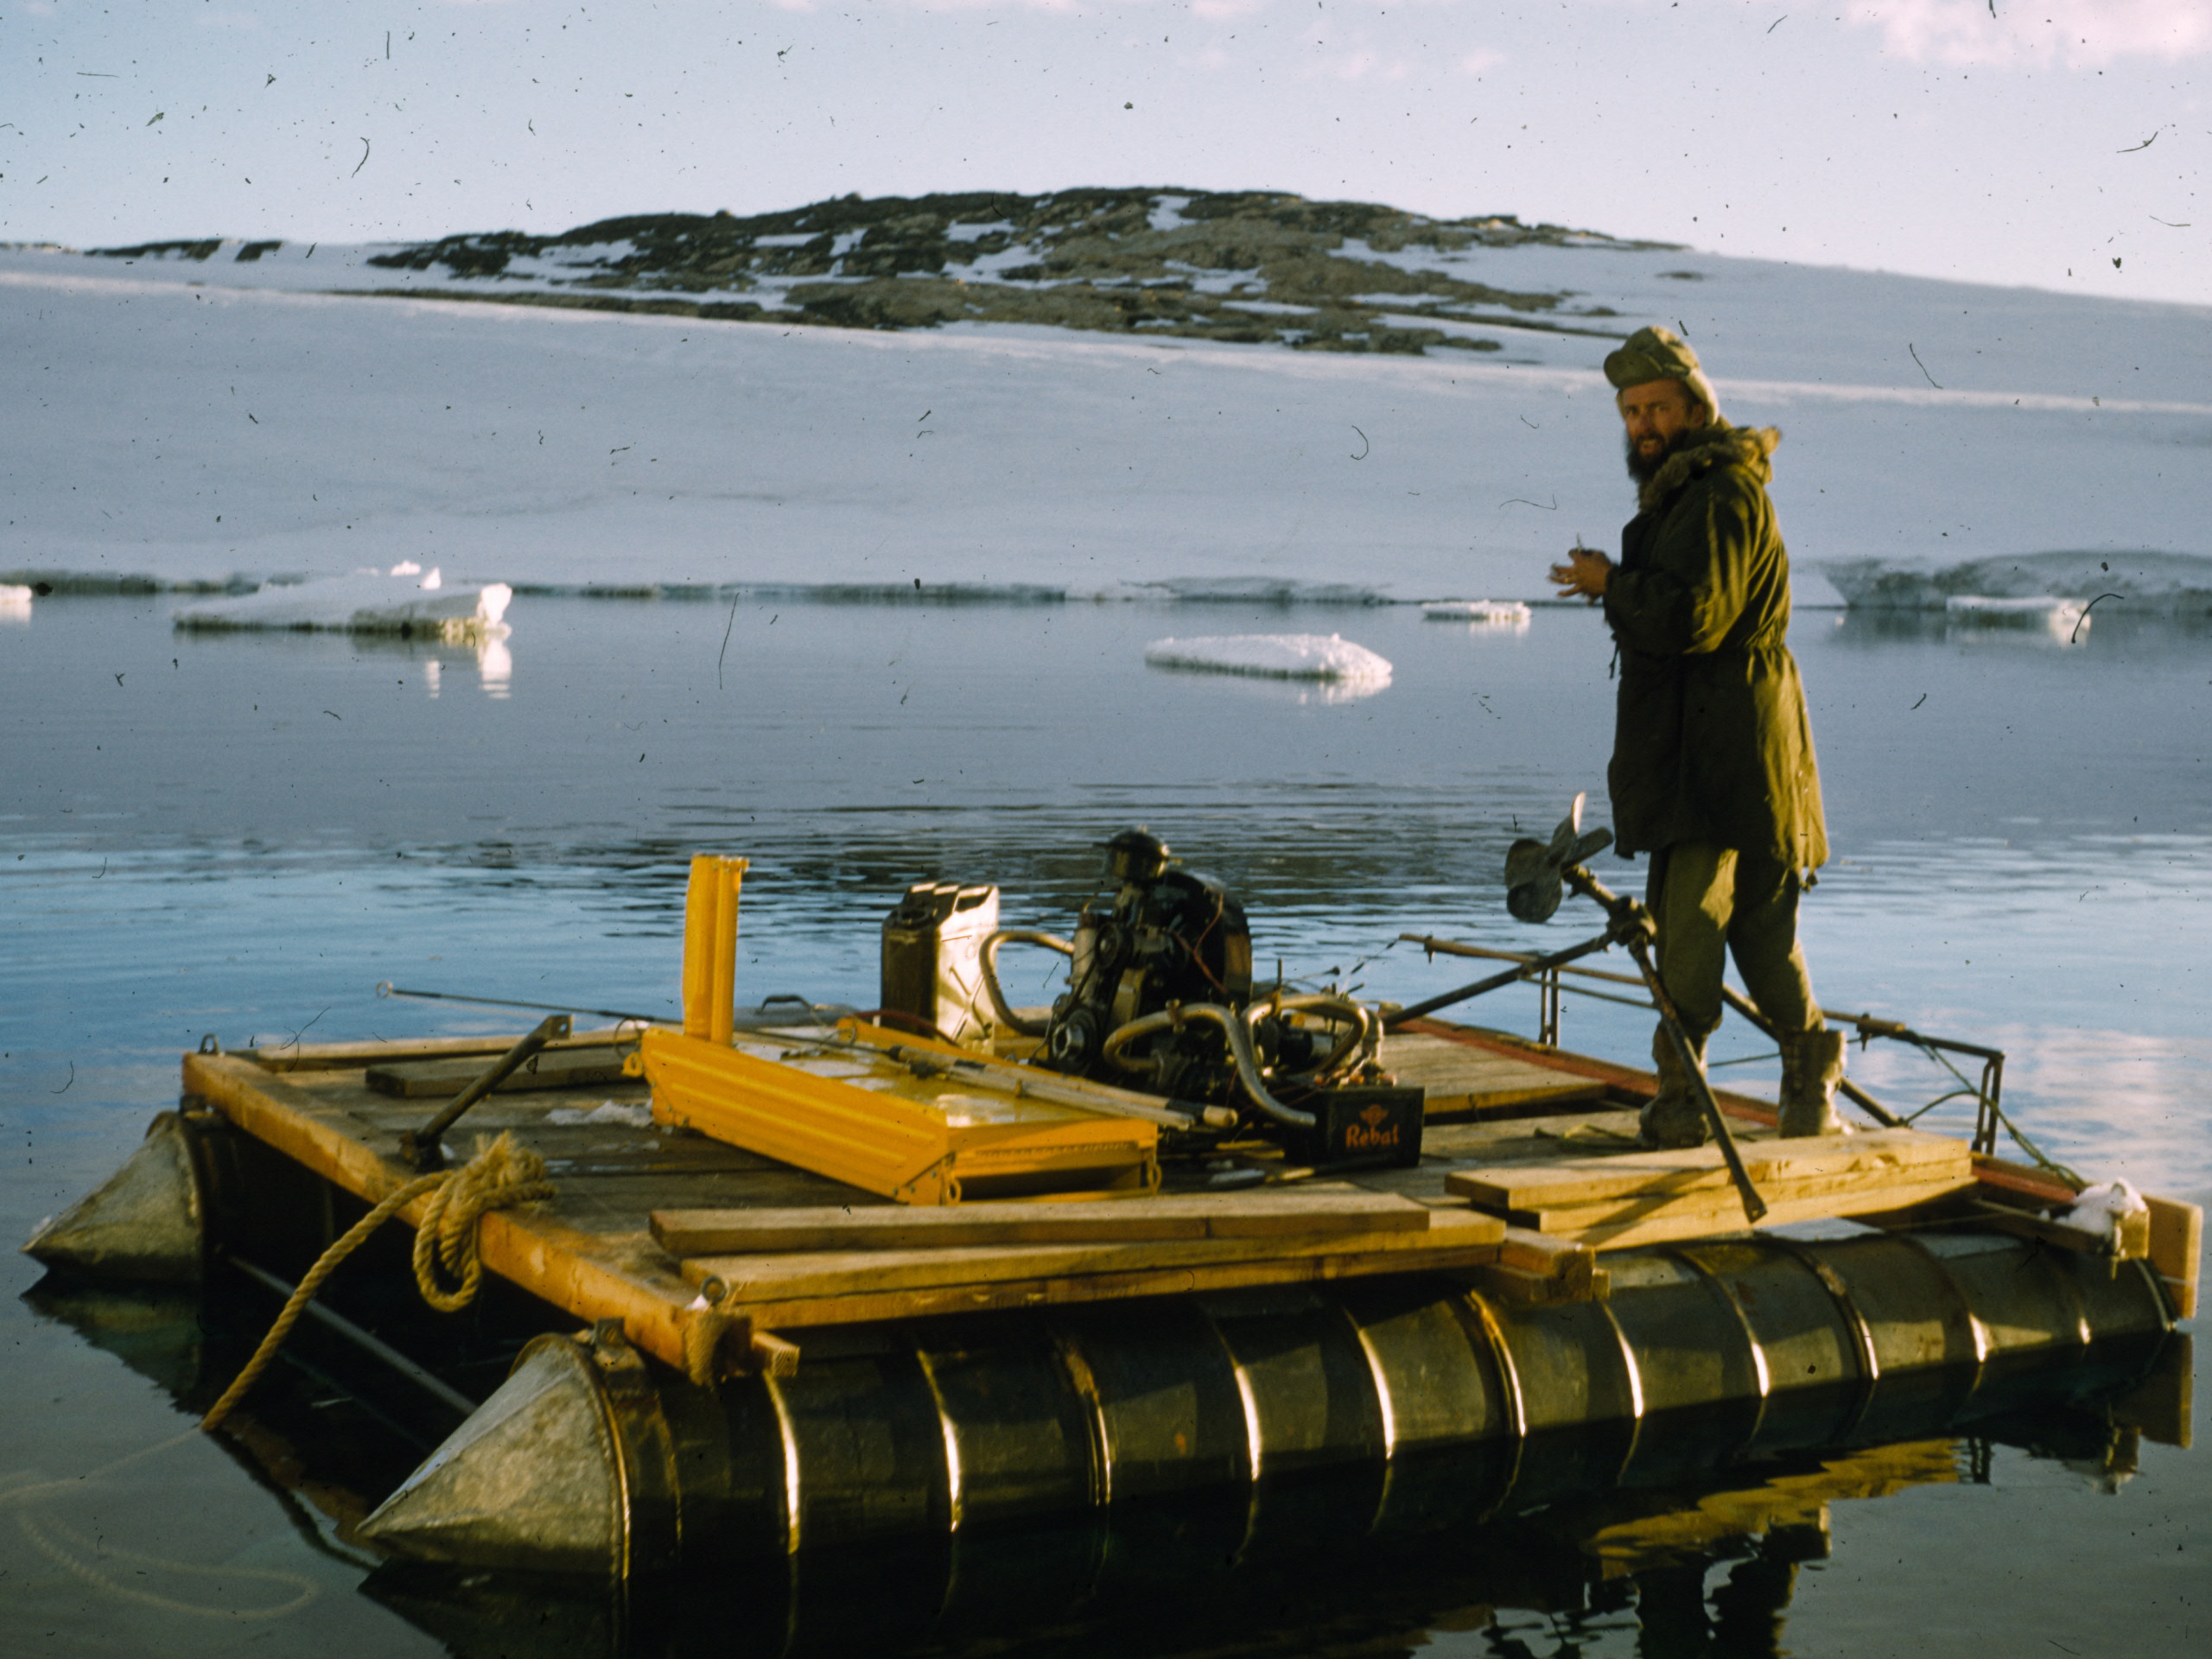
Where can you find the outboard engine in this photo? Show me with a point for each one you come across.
(1160, 1000)
(1170, 937)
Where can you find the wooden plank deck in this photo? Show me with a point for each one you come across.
(647, 1217)
(1463, 1080)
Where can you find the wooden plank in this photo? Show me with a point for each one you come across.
(1723, 1208)
(2131, 1242)
(2002, 1175)
(580, 1067)
(293, 1056)
(1878, 1152)
(1224, 1215)
(752, 1283)
(2176, 1247)
(1526, 1289)
(1570, 1262)
(1724, 1211)
(1458, 1080)
(1661, 1228)
(1628, 1078)
(862, 1306)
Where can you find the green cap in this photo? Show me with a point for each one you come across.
(1660, 355)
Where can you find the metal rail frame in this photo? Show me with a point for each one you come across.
(1551, 985)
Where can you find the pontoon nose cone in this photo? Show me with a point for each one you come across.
(531, 1480)
(142, 1224)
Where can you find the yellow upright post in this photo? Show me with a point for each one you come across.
(722, 1013)
(710, 947)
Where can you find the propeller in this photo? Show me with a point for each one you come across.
(1535, 870)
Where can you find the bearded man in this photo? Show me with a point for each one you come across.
(1712, 771)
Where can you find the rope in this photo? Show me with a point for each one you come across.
(75, 1553)
(501, 1174)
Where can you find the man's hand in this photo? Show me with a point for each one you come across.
(1585, 573)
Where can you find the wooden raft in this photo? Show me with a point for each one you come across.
(645, 1217)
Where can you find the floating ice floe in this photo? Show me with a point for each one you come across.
(2048, 612)
(1497, 613)
(2143, 580)
(1329, 657)
(367, 602)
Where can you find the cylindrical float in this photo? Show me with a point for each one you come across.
(1431, 1403)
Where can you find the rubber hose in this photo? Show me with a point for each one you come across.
(987, 958)
(1240, 1050)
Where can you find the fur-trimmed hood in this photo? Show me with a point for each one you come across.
(1717, 445)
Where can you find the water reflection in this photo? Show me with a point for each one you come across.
(1705, 1559)
(489, 654)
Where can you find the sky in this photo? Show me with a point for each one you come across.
(2056, 143)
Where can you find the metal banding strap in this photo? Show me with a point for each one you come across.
(1760, 1370)
(954, 1506)
(1634, 1375)
(1386, 1407)
(1975, 1328)
(1870, 1359)
(1084, 1386)
(789, 1436)
(1509, 1377)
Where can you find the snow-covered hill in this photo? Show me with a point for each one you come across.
(1100, 392)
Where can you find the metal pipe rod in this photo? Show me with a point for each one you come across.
(1632, 924)
(338, 1325)
(387, 988)
(1512, 976)
(1853, 1092)
(420, 1147)
(1234, 1027)
(1453, 948)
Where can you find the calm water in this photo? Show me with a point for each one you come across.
(242, 835)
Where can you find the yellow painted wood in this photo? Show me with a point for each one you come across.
(862, 1118)
(2176, 1247)
(710, 946)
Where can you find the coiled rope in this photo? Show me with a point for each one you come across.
(448, 1271)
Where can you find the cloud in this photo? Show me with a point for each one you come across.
(2028, 32)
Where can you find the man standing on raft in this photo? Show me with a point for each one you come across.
(1712, 771)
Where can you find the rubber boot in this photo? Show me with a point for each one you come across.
(1812, 1065)
(1673, 1117)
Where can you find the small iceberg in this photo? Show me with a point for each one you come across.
(1329, 657)
(1493, 612)
(367, 602)
(2063, 618)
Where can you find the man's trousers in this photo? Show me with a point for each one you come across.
(1708, 900)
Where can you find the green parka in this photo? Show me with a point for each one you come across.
(1712, 742)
